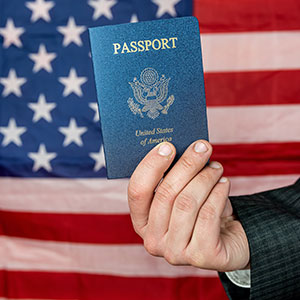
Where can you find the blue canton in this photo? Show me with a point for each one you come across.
(49, 122)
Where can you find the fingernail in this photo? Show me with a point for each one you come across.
(223, 179)
(215, 165)
(200, 147)
(165, 150)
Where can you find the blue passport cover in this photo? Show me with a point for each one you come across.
(150, 89)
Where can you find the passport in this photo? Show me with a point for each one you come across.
(150, 89)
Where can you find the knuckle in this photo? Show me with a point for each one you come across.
(151, 245)
(186, 202)
(165, 193)
(203, 178)
(149, 163)
(136, 192)
(208, 212)
(219, 194)
(171, 257)
(207, 177)
(186, 162)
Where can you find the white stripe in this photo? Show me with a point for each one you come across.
(251, 51)
(64, 195)
(91, 195)
(254, 124)
(120, 260)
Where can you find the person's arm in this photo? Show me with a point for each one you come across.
(272, 224)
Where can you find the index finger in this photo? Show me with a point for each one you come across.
(144, 180)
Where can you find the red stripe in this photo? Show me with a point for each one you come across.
(252, 88)
(83, 228)
(258, 159)
(247, 15)
(41, 285)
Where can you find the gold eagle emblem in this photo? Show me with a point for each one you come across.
(150, 91)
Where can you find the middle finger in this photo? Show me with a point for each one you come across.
(190, 163)
(187, 205)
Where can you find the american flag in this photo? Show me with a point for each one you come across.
(65, 230)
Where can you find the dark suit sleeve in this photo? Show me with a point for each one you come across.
(271, 221)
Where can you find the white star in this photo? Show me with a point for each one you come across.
(42, 109)
(102, 8)
(134, 19)
(12, 133)
(42, 59)
(98, 157)
(11, 34)
(42, 159)
(94, 107)
(72, 133)
(40, 10)
(12, 84)
(166, 6)
(72, 83)
(71, 33)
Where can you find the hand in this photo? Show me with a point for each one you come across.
(186, 217)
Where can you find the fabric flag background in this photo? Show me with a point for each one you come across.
(65, 231)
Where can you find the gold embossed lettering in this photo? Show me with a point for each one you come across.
(133, 46)
(147, 44)
(158, 44)
(173, 39)
(164, 43)
(141, 46)
(117, 46)
(125, 48)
